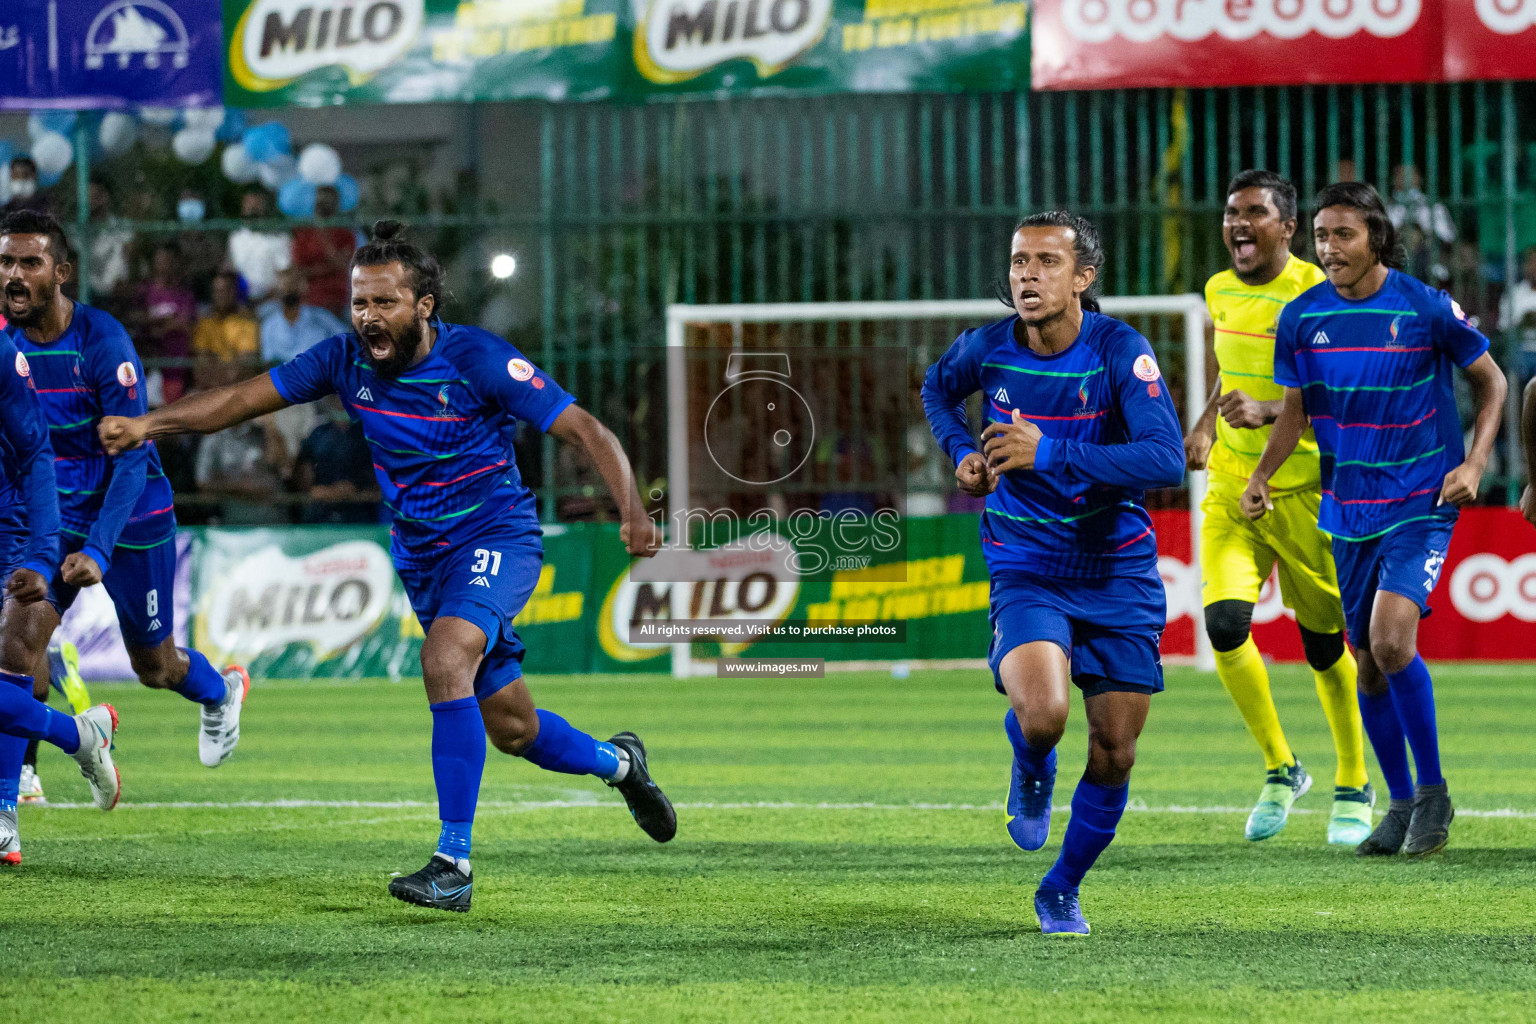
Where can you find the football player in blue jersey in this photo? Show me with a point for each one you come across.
(434, 399)
(1366, 356)
(1080, 423)
(29, 552)
(117, 520)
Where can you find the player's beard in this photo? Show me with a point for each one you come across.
(402, 351)
(31, 315)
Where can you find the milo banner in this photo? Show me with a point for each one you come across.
(321, 52)
(324, 602)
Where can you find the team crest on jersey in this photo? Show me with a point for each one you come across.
(126, 375)
(520, 369)
(1145, 368)
(444, 406)
(1392, 329)
(21, 365)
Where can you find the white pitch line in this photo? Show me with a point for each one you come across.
(764, 805)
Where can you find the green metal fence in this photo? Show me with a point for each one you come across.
(908, 196)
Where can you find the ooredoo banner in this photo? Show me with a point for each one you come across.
(1490, 39)
(1483, 609)
(1117, 44)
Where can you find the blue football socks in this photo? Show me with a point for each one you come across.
(1039, 764)
(561, 747)
(1413, 695)
(1096, 810)
(13, 750)
(21, 715)
(458, 759)
(203, 683)
(1386, 732)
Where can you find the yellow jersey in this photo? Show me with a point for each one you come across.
(1245, 317)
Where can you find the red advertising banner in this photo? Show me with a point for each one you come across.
(1490, 39)
(1117, 44)
(1483, 609)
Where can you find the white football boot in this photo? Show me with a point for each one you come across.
(221, 722)
(98, 725)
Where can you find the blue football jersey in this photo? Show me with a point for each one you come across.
(1110, 432)
(29, 503)
(1378, 385)
(438, 432)
(89, 372)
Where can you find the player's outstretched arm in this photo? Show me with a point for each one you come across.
(1488, 392)
(576, 426)
(1283, 438)
(206, 412)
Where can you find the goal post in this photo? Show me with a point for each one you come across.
(1185, 313)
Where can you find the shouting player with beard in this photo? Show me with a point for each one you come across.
(434, 399)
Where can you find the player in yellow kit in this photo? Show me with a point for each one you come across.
(1236, 553)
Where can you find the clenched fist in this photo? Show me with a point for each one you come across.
(120, 434)
(80, 570)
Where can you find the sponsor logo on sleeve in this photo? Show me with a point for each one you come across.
(21, 365)
(126, 375)
(1145, 368)
(520, 369)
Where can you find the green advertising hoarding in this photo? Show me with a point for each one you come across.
(325, 602)
(320, 52)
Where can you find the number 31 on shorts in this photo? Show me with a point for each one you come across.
(486, 559)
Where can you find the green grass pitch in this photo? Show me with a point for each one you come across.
(840, 856)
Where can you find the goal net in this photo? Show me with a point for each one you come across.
(797, 409)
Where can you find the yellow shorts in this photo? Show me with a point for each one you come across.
(1237, 554)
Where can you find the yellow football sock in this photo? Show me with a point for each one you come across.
(1336, 689)
(1243, 673)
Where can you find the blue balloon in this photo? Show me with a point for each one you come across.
(47, 179)
(297, 198)
(233, 128)
(266, 141)
(61, 121)
(348, 192)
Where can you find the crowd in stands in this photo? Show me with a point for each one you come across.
(206, 309)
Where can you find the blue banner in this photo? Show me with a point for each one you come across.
(94, 54)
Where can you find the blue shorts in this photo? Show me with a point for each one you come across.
(141, 583)
(486, 581)
(1406, 561)
(1109, 628)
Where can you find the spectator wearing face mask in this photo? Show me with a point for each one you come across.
(325, 255)
(24, 188)
(202, 250)
(335, 470)
(259, 256)
(295, 325)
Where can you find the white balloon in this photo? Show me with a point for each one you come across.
(238, 166)
(162, 117)
(278, 170)
(118, 130)
(203, 119)
(319, 164)
(192, 146)
(52, 152)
